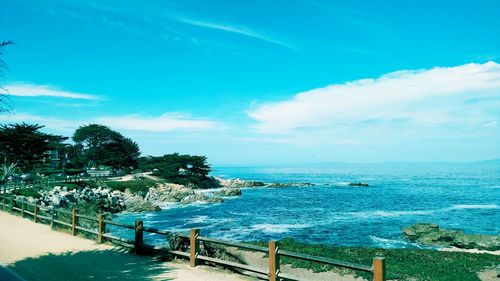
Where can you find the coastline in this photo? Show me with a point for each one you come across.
(478, 261)
(161, 198)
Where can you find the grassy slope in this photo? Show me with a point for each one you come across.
(402, 264)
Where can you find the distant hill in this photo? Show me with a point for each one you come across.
(488, 162)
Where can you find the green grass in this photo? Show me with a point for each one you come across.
(402, 264)
(135, 186)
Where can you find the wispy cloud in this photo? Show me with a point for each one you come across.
(167, 122)
(234, 29)
(31, 90)
(163, 123)
(436, 97)
(53, 123)
(162, 19)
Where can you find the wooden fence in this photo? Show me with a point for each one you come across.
(17, 184)
(273, 273)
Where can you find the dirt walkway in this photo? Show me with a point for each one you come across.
(37, 253)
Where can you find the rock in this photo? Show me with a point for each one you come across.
(102, 199)
(278, 185)
(433, 235)
(55, 201)
(415, 231)
(201, 198)
(168, 193)
(228, 192)
(238, 183)
(290, 184)
(135, 203)
(359, 184)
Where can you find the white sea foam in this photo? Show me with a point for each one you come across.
(339, 183)
(383, 213)
(150, 215)
(460, 207)
(277, 228)
(198, 219)
(391, 243)
(389, 213)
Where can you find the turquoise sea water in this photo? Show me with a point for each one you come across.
(465, 197)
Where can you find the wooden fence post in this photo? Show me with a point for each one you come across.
(274, 261)
(73, 221)
(194, 246)
(12, 204)
(139, 236)
(4, 200)
(35, 214)
(379, 269)
(23, 207)
(100, 228)
(53, 217)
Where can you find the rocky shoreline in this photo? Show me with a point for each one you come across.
(432, 235)
(104, 199)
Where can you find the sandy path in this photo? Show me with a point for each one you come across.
(38, 253)
(261, 261)
(17, 240)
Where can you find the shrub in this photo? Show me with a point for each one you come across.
(27, 192)
(72, 172)
(50, 172)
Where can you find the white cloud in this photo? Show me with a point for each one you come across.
(425, 98)
(31, 90)
(163, 123)
(53, 123)
(233, 29)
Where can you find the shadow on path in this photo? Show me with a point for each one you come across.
(90, 265)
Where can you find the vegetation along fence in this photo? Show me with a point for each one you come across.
(18, 184)
(96, 227)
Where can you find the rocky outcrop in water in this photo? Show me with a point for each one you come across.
(433, 235)
(136, 203)
(239, 183)
(290, 184)
(201, 198)
(228, 192)
(359, 184)
(168, 193)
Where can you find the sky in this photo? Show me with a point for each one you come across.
(263, 82)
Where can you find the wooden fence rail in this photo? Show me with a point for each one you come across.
(20, 184)
(272, 273)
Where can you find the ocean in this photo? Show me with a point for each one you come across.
(456, 196)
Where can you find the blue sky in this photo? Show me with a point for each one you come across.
(263, 82)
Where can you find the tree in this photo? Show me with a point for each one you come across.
(7, 171)
(103, 146)
(180, 169)
(4, 103)
(122, 152)
(25, 145)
